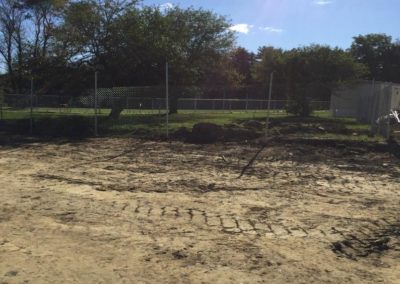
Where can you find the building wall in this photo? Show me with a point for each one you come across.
(347, 100)
(396, 97)
(367, 101)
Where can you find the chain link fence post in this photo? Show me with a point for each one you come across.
(96, 133)
(166, 99)
(31, 109)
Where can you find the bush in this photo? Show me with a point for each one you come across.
(204, 133)
(299, 105)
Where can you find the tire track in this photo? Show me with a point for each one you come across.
(233, 224)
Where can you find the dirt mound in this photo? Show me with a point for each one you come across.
(240, 134)
(205, 133)
(253, 124)
(181, 133)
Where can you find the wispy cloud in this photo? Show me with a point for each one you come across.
(322, 2)
(271, 29)
(241, 28)
(166, 6)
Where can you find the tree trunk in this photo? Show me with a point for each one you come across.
(117, 108)
(173, 103)
(115, 112)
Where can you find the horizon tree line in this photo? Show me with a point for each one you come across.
(60, 43)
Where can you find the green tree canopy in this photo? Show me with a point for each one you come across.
(375, 51)
(306, 72)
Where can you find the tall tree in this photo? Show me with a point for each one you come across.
(268, 60)
(88, 28)
(193, 41)
(395, 63)
(11, 29)
(306, 72)
(243, 62)
(313, 71)
(375, 51)
(197, 40)
(44, 16)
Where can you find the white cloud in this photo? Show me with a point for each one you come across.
(241, 28)
(166, 6)
(271, 29)
(322, 2)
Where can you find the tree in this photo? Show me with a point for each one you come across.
(305, 73)
(197, 42)
(223, 73)
(395, 63)
(270, 59)
(311, 72)
(193, 41)
(44, 15)
(133, 44)
(26, 33)
(88, 28)
(38, 54)
(243, 61)
(11, 30)
(375, 51)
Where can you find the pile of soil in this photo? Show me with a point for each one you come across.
(208, 133)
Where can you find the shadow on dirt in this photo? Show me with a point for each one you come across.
(394, 147)
(374, 243)
(69, 126)
(57, 130)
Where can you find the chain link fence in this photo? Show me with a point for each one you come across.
(135, 107)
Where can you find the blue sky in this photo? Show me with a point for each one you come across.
(293, 23)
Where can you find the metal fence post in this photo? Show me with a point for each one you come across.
(247, 101)
(223, 101)
(388, 110)
(31, 108)
(166, 99)
(269, 104)
(95, 104)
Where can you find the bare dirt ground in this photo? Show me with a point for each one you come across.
(131, 211)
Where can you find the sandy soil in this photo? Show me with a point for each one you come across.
(131, 211)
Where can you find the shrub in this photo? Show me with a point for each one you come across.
(298, 104)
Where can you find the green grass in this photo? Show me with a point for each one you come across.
(342, 137)
(46, 112)
(153, 123)
(79, 121)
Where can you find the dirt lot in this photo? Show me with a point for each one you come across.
(131, 211)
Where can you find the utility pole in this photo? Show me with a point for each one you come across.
(269, 104)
